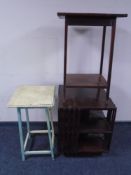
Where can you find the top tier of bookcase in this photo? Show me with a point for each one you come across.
(90, 19)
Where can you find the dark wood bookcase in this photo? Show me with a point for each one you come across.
(85, 124)
(86, 113)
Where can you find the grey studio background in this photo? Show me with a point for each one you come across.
(32, 48)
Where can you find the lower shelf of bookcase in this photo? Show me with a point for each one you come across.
(92, 145)
(88, 146)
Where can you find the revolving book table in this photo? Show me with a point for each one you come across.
(86, 113)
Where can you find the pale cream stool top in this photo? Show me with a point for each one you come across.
(33, 96)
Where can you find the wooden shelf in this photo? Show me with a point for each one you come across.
(86, 80)
(94, 122)
(90, 19)
(96, 125)
(92, 145)
(84, 98)
(96, 15)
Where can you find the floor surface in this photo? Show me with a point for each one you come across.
(116, 162)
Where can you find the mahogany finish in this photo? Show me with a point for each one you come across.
(82, 125)
(102, 49)
(84, 98)
(91, 19)
(86, 113)
(93, 15)
(85, 80)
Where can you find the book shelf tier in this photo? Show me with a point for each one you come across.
(91, 145)
(84, 98)
(95, 125)
(85, 81)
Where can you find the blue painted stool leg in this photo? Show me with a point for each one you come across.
(49, 133)
(51, 122)
(21, 133)
(27, 121)
(51, 119)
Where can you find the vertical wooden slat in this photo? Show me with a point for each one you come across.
(102, 48)
(65, 54)
(109, 136)
(111, 57)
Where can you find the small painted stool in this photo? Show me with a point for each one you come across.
(27, 97)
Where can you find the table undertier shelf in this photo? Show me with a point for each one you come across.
(85, 80)
(84, 98)
(91, 145)
(95, 125)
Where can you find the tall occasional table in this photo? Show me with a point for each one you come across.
(29, 97)
(86, 112)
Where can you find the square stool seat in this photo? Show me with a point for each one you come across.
(33, 96)
(26, 97)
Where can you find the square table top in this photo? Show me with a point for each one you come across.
(32, 96)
